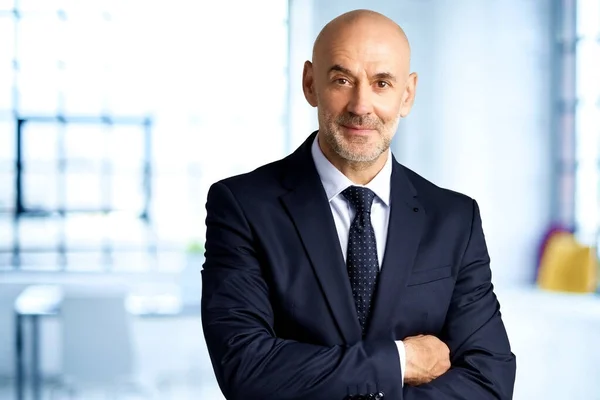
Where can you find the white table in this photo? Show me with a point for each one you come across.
(37, 301)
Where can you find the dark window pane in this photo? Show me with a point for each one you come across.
(40, 146)
(41, 190)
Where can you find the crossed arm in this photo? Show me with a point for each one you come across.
(482, 364)
(250, 362)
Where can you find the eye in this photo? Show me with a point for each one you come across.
(341, 81)
(382, 84)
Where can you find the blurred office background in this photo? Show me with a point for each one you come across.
(116, 116)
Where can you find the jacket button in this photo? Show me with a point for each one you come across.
(379, 395)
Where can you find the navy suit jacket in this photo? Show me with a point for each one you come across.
(278, 313)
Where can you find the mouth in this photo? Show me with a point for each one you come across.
(358, 130)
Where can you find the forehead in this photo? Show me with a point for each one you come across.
(372, 53)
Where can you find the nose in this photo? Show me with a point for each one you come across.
(360, 102)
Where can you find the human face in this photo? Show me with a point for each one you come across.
(360, 86)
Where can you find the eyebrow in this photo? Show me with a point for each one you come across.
(386, 76)
(341, 69)
(380, 75)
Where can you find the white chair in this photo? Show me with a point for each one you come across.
(97, 349)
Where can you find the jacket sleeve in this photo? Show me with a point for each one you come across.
(483, 366)
(249, 360)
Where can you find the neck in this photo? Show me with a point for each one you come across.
(358, 172)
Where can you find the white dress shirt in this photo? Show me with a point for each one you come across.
(334, 182)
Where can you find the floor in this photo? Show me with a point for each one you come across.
(555, 338)
(176, 392)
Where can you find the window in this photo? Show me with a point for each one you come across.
(587, 119)
(578, 123)
(115, 117)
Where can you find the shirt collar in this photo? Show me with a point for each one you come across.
(334, 182)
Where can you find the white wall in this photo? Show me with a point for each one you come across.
(481, 122)
(302, 117)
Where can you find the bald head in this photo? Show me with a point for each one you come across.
(360, 81)
(363, 24)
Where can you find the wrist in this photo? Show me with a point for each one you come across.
(408, 361)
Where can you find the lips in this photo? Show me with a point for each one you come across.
(358, 127)
(358, 130)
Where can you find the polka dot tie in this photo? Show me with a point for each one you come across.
(361, 258)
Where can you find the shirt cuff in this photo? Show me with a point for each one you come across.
(402, 354)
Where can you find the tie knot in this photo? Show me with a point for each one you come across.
(361, 198)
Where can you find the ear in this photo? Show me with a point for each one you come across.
(408, 97)
(308, 84)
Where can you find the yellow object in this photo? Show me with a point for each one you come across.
(568, 266)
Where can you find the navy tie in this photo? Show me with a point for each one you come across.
(361, 257)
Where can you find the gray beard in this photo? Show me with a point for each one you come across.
(351, 156)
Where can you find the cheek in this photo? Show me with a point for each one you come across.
(333, 102)
(388, 109)
(389, 117)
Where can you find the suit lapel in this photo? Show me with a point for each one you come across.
(309, 209)
(407, 218)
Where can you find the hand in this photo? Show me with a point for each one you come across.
(427, 358)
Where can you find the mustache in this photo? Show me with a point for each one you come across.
(358, 120)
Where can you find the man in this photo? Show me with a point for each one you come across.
(338, 273)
